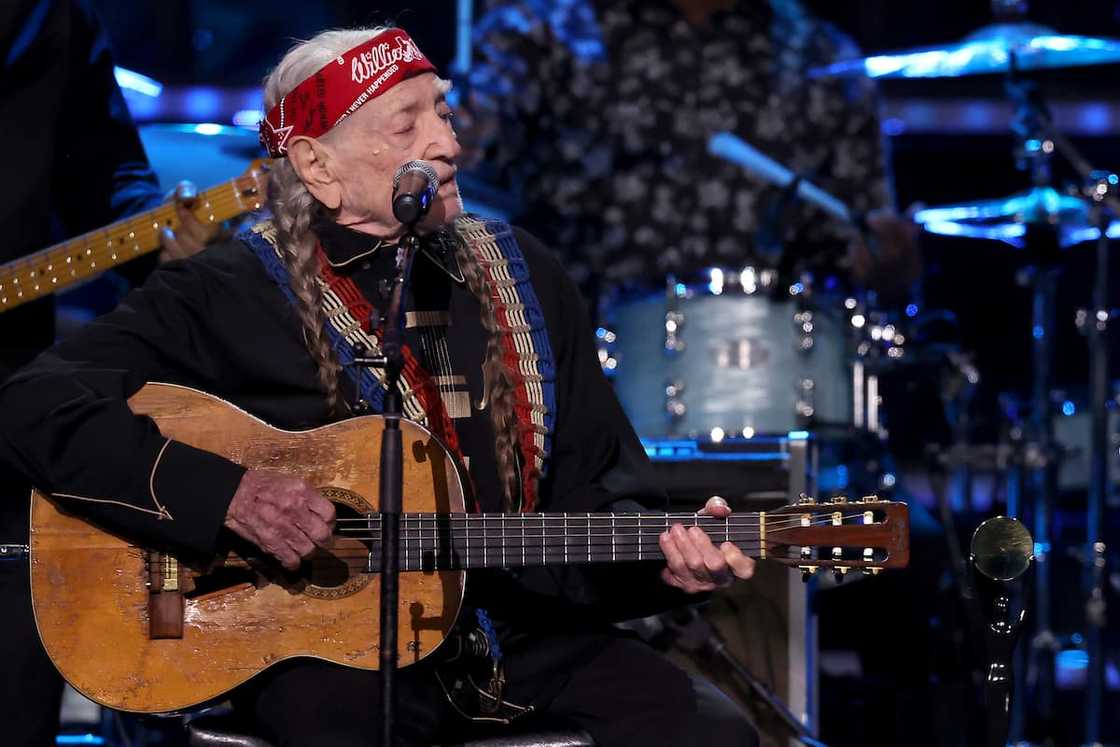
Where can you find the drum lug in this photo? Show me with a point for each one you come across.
(674, 323)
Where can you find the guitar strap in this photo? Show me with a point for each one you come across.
(524, 340)
(527, 354)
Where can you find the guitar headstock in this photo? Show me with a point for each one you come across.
(866, 534)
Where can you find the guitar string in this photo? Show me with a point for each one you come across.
(584, 516)
(470, 521)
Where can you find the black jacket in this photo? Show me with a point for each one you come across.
(219, 323)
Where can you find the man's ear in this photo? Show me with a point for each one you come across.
(312, 163)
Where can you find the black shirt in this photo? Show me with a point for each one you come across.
(219, 323)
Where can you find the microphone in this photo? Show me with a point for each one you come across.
(414, 190)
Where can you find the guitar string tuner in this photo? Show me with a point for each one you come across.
(839, 573)
(805, 500)
(840, 499)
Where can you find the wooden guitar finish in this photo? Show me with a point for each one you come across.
(90, 589)
(138, 629)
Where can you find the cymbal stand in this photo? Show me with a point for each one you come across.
(1033, 155)
(1101, 192)
(1101, 186)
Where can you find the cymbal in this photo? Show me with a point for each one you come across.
(988, 50)
(1006, 219)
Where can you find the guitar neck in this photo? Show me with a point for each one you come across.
(464, 541)
(86, 256)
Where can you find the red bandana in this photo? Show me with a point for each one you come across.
(341, 87)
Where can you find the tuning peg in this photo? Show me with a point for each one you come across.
(807, 572)
(806, 500)
(839, 499)
(839, 572)
(869, 499)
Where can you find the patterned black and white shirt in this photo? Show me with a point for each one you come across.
(604, 110)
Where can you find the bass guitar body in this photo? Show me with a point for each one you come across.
(144, 631)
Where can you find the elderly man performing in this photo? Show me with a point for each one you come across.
(499, 364)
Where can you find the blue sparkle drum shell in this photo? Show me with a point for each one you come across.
(691, 362)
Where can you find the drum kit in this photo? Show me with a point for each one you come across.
(746, 352)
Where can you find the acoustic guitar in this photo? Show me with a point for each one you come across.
(83, 257)
(137, 629)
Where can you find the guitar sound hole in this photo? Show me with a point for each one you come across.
(340, 571)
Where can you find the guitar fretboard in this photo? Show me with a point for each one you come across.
(60, 266)
(462, 541)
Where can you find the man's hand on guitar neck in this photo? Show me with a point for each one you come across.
(282, 515)
(694, 564)
(193, 235)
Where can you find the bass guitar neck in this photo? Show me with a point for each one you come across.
(64, 265)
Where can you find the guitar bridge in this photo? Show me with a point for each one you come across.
(165, 596)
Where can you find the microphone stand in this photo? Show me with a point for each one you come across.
(391, 477)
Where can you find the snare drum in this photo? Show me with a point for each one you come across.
(728, 358)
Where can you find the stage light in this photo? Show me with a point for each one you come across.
(133, 81)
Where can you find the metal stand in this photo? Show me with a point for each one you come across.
(1101, 192)
(1041, 459)
(391, 483)
(1042, 479)
(1098, 483)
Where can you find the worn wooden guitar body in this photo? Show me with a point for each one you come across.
(92, 598)
(138, 629)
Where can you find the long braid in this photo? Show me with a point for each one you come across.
(498, 381)
(292, 208)
(293, 205)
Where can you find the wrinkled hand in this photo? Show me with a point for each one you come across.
(193, 235)
(694, 564)
(897, 261)
(282, 515)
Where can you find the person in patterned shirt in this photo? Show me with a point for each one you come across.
(598, 114)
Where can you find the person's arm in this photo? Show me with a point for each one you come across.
(68, 427)
(517, 59)
(102, 173)
(857, 172)
(101, 168)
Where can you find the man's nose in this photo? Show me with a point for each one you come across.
(444, 147)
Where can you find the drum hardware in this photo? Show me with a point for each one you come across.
(1042, 221)
(737, 355)
(1013, 43)
(14, 552)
